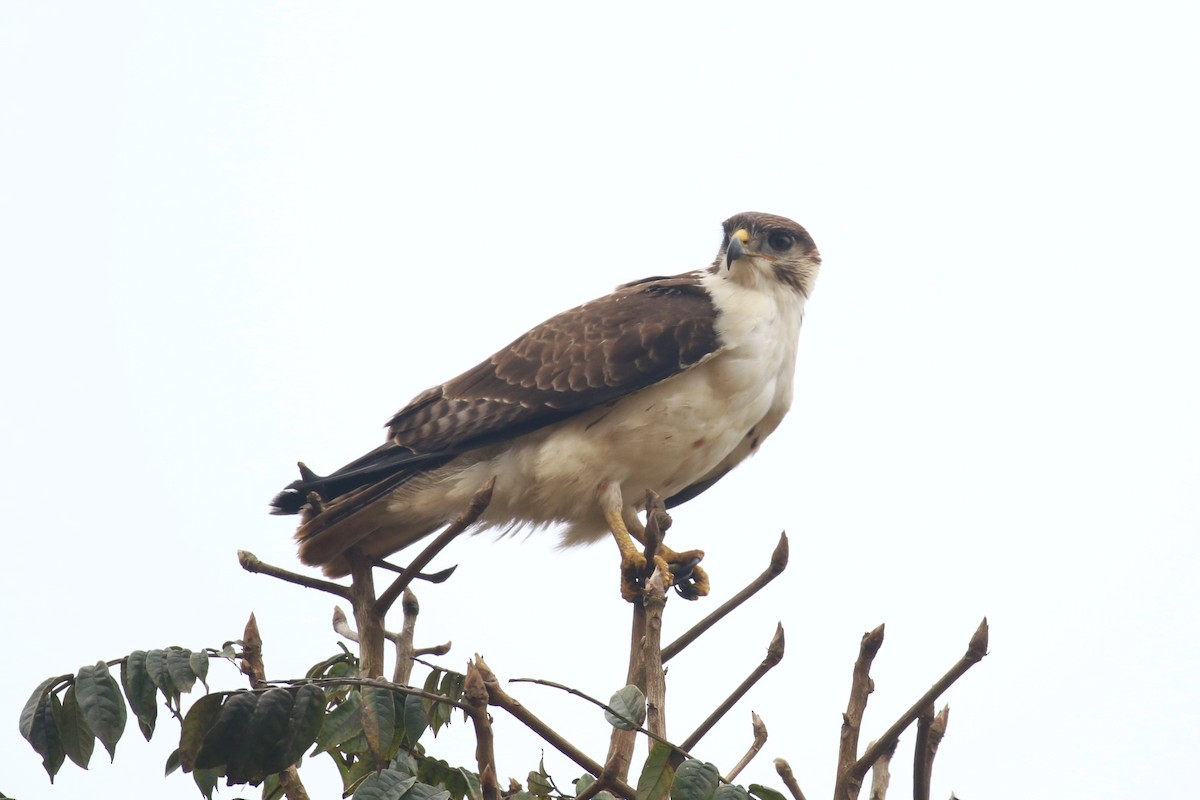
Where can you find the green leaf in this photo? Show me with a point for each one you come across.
(474, 790)
(657, 774)
(77, 738)
(538, 782)
(695, 780)
(196, 725)
(766, 792)
(101, 704)
(341, 724)
(415, 721)
(44, 736)
(629, 703)
(353, 777)
(727, 791)
(263, 739)
(198, 663)
(308, 714)
(378, 721)
(206, 781)
(140, 691)
(172, 762)
(225, 735)
(272, 789)
(386, 785)
(423, 791)
(179, 665)
(31, 705)
(160, 674)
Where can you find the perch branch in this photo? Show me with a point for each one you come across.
(779, 559)
(251, 563)
(976, 650)
(760, 738)
(784, 770)
(475, 693)
(774, 656)
(479, 503)
(654, 599)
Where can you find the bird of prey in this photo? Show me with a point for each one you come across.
(664, 385)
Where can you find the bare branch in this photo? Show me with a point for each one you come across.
(774, 656)
(621, 742)
(976, 650)
(784, 769)
(251, 563)
(479, 503)
(779, 559)
(402, 671)
(881, 774)
(930, 730)
(848, 784)
(498, 697)
(475, 692)
(654, 599)
(760, 738)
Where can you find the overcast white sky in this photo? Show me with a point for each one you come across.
(241, 234)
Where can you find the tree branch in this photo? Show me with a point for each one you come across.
(779, 560)
(784, 769)
(773, 657)
(252, 563)
(976, 650)
(848, 783)
(930, 730)
(881, 774)
(760, 738)
(475, 692)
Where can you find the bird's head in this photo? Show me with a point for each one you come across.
(764, 247)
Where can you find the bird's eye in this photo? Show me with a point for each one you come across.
(780, 241)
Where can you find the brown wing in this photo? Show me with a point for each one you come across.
(585, 357)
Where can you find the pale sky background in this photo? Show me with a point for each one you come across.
(235, 235)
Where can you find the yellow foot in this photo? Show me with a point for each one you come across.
(682, 570)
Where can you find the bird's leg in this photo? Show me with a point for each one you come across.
(633, 562)
(690, 579)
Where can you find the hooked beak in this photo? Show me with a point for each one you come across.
(736, 247)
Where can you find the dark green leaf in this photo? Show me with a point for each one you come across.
(629, 703)
(308, 713)
(206, 781)
(378, 721)
(415, 721)
(272, 789)
(263, 739)
(172, 762)
(727, 791)
(77, 738)
(474, 790)
(101, 704)
(198, 662)
(386, 785)
(583, 783)
(352, 778)
(405, 762)
(766, 792)
(180, 667)
(539, 783)
(196, 725)
(341, 724)
(423, 791)
(657, 774)
(695, 780)
(225, 735)
(160, 674)
(44, 737)
(31, 706)
(140, 691)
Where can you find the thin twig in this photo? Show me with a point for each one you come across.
(784, 769)
(479, 503)
(779, 559)
(881, 774)
(848, 784)
(760, 738)
(252, 563)
(498, 697)
(976, 650)
(773, 657)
